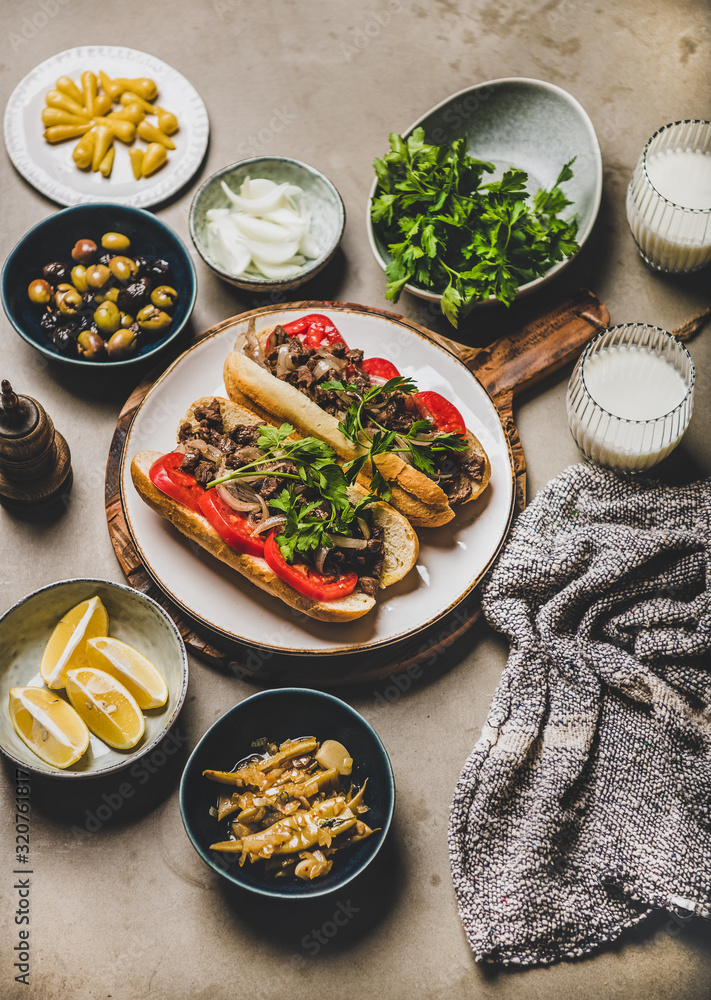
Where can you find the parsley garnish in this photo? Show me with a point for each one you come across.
(362, 427)
(450, 233)
(316, 504)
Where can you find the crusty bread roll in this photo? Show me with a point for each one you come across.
(418, 497)
(401, 545)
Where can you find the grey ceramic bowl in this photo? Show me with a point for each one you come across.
(529, 124)
(134, 618)
(324, 203)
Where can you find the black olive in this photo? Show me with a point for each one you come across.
(64, 341)
(49, 321)
(141, 266)
(89, 301)
(105, 258)
(131, 298)
(56, 273)
(85, 321)
(158, 268)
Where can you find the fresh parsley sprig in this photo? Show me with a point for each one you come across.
(362, 427)
(449, 232)
(317, 505)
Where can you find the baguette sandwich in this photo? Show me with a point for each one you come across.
(281, 513)
(411, 447)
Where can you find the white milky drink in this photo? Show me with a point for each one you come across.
(629, 400)
(669, 198)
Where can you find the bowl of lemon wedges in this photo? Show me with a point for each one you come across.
(93, 675)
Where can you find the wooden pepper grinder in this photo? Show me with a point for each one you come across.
(35, 464)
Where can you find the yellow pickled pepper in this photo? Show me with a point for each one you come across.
(136, 156)
(123, 130)
(152, 134)
(142, 86)
(89, 86)
(102, 105)
(55, 116)
(84, 151)
(129, 97)
(68, 87)
(167, 121)
(130, 113)
(58, 99)
(107, 163)
(102, 144)
(154, 157)
(60, 133)
(109, 86)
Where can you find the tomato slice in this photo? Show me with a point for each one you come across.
(166, 475)
(379, 370)
(314, 330)
(306, 580)
(230, 525)
(442, 414)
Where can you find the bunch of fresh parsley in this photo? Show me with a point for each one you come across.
(306, 528)
(449, 233)
(361, 426)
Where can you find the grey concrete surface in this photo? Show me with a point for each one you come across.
(129, 910)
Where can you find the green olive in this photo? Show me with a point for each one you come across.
(90, 346)
(79, 277)
(122, 268)
(164, 297)
(40, 292)
(110, 295)
(153, 320)
(122, 345)
(97, 275)
(69, 300)
(107, 318)
(115, 241)
(127, 320)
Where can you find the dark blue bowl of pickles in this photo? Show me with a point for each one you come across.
(99, 285)
(289, 795)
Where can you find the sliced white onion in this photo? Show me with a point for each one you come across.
(338, 363)
(257, 205)
(256, 187)
(271, 522)
(321, 368)
(227, 247)
(344, 542)
(308, 246)
(320, 558)
(284, 361)
(208, 450)
(214, 214)
(233, 501)
(363, 525)
(271, 253)
(288, 270)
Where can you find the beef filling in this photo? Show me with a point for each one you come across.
(239, 449)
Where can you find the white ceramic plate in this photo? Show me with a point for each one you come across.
(452, 559)
(50, 168)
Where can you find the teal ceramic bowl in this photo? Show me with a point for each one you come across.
(529, 124)
(53, 239)
(320, 198)
(134, 618)
(279, 715)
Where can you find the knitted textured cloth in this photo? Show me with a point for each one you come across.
(587, 801)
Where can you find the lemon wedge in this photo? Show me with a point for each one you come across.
(66, 648)
(48, 725)
(109, 710)
(135, 671)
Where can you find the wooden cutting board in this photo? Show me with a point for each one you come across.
(505, 368)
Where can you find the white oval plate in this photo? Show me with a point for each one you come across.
(452, 558)
(50, 168)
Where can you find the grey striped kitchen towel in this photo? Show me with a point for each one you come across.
(586, 803)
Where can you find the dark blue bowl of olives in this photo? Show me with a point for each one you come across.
(98, 285)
